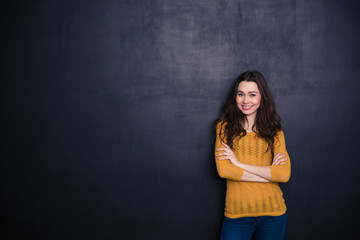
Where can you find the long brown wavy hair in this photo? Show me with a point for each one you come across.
(267, 121)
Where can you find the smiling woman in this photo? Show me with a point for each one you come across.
(250, 153)
(248, 100)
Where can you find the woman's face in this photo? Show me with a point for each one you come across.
(248, 98)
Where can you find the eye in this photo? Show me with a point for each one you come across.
(240, 94)
(252, 95)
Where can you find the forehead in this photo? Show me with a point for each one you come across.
(248, 87)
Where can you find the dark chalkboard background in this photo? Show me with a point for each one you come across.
(107, 109)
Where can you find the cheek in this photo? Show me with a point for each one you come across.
(259, 100)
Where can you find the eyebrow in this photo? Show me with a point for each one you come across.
(249, 92)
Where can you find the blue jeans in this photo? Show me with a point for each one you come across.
(265, 228)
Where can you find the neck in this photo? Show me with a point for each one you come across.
(250, 122)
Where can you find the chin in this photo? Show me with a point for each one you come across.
(248, 113)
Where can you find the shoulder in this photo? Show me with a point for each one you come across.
(280, 137)
(220, 127)
(280, 133)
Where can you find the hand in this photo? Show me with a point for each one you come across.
(227, 154)
(279, 159)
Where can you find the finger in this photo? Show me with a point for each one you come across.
(275, 163)
(221, 149)
(277, 155)
(222, 154)
(227, 146)
(280, 162)
(280, 156)
(223, 158)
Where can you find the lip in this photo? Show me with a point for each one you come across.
(246, 107)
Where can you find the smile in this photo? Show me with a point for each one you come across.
(247, 107)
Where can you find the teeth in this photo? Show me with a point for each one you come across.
(247, 107)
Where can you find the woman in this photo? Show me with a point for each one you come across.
(250, 153)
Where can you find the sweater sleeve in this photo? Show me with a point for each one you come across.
(224, 167)
(280, 173)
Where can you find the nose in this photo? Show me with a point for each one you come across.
(245, 99)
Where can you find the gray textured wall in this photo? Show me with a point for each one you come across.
(108, 106)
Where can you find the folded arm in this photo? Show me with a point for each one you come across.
(228, 170)
(281, 173)
(250, 177)
(280, 170)
(230, 167)
(264, 171)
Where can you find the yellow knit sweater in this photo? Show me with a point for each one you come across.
(253, 199)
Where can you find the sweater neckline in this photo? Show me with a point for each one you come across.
(250, 132)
